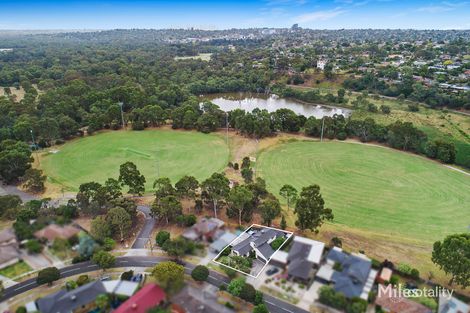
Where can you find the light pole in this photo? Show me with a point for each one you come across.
(122, 114)
(35, 147)
(226, 128)
(322, 126)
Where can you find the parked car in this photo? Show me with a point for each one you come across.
(180, 262)
(272, 271)
(137, 278)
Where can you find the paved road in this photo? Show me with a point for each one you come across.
(146, 230)
(274, 305)
(13, 190)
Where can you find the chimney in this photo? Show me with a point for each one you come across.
(134, 306)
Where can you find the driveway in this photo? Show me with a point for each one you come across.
(146, 231)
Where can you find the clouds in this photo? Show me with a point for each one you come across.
(321, 15)
(445, 6)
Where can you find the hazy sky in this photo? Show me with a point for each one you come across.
(331, 14)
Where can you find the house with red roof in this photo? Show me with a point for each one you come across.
(148, 297)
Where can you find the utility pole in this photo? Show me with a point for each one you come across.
(35, 147)
(322, 126)
(122, 114)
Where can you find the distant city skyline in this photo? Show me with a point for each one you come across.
(211, 15)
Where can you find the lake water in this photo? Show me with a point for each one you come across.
(271, 103)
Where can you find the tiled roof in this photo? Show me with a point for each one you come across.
(149, 296)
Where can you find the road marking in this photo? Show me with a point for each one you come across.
(277, 306)
(24, 286)
(72, 270)
(91, 266)
(124, 261)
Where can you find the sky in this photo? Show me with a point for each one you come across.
(210, 14)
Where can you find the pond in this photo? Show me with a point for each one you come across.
(249, 101)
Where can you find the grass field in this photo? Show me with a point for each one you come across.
(98, 157)
(377, 189)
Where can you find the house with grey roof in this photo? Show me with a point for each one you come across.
(82, 298)
(302, 259)
(304, 255)
(350, 274)
(257, 241)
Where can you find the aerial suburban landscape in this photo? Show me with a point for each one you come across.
(285, 156)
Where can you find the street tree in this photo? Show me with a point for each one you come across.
(130, 176)
(169, 275)
(452, 255)
(310, 209)
(216, 188)
(48, 276)
(200, 273)
(289, 193)
(103, 259)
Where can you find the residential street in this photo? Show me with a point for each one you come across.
(274, 305)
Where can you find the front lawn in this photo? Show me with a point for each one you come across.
(15, 270)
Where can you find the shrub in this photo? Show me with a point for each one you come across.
(162, 237)
(21, 309)
(407, 270)
(385, 109)
(231, 273)
(394, 280)
(260, 308)
(236, 166)
(108, 244)
(236, 285)
(258, 297)
(83, 280)
(375, 263)
(229, 305)
(127, 275)
(248, 293)
(413, 107)
(226, 251)
(336, 242)
(200, 273)
(277, 243)
(33, 246)
(330, 297)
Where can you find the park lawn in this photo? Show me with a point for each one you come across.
(172, 154)
(375, 189)
(15, 270)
